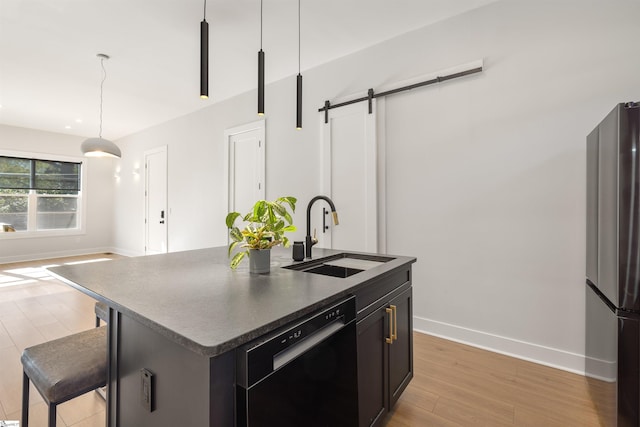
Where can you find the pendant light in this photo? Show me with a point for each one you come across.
(299, 81)
(204, 55)
(99, 147)
(261, 71)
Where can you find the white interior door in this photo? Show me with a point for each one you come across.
(246, 166)
(156, 213)
(350, 178)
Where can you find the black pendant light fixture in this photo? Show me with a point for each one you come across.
(299, 81)
(99, 147)
(204, 55)
(261, 71)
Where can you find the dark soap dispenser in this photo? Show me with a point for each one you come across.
(298, 251)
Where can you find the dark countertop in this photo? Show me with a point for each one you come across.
(195, 299)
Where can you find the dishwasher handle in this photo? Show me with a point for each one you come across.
(291, 353)
(263, 356)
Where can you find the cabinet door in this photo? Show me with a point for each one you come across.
(372, 368)
(401, 351)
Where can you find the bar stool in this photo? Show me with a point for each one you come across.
(102, 312)
(64, 368)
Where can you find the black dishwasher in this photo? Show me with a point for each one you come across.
(303, 375)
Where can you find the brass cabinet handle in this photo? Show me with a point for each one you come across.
(389, 340)
(394, 335)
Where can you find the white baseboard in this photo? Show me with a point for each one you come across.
(54, 254)
(601, 369)
(125, 252)
(547, 356)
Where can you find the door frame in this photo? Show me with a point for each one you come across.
(146, 154)
(258, 125)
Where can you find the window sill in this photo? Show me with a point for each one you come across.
(12, 235)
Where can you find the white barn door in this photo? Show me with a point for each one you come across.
(350, 177)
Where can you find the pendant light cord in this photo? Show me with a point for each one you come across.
(260, 24)
(204, 14)
(298, 36)
(104, 77)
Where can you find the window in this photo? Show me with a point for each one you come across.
(38, 195)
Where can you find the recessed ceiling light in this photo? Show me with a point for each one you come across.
(67, 127)
(78, 120)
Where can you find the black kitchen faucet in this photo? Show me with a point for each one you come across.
(310, 241)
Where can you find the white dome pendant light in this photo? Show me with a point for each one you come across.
(99, 147)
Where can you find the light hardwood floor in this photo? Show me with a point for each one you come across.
(453, 385)
(459, 385)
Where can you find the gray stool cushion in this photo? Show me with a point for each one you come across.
(102, 311)
(67, 367)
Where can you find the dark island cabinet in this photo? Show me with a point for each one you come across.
(385, 353)
(178, 323)
(401, 351)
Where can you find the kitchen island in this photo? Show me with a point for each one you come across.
(179, 318)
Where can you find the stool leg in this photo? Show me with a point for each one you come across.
(25, 400)
(52, 415)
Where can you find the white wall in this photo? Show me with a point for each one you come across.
(492, 169)
(98, 193)
(485, 175)
(197, 191)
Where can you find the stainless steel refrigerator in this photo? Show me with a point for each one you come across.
(613, 267)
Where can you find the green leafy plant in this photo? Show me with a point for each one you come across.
(267, 223)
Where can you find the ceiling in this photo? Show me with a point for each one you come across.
(50, 75)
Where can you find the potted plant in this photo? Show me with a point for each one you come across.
(267, 223)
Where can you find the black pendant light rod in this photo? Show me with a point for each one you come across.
(204, 55)
(299, 81)
(261, 71)
(299, 102)
(327, 106)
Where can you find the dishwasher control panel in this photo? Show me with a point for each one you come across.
(256, 359)
(301, 331)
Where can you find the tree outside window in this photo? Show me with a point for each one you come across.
(37, 194)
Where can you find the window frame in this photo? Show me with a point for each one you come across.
(33, 199)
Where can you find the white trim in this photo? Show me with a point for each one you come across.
(48, 156)
(381, 167)
(43, 233)
(55, 254)
(602, 370)
(126, 252)
(553, 357)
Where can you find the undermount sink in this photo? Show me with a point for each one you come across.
(333, 270)
(340, 265)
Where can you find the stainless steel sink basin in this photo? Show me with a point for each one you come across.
(341, 265)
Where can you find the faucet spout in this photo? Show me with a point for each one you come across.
(310, 241)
